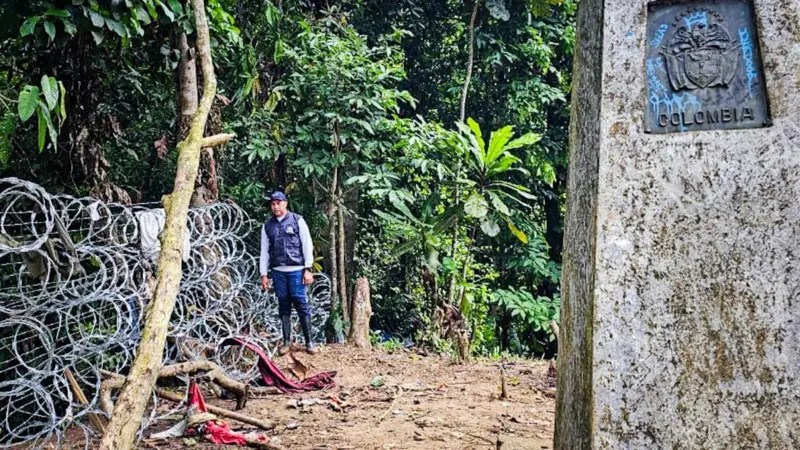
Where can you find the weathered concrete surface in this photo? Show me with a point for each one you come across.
(573, 408)
(694, 291)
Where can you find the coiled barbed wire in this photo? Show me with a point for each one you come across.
(74, 283)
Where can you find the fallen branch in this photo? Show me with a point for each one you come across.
(177, 398)
(214, 373)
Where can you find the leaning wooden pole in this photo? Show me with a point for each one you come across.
(132, 402)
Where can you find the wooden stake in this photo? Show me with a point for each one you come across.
(503, 388)
(76, 389)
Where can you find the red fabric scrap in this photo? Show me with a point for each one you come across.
(196, 397)
(216, 432)
(273, 376)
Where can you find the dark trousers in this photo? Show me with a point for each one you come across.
(290, 290)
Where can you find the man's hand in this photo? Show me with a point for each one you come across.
(308, 277)
(264, 282)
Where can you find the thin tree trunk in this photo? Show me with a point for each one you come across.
(462, 116)
(346, 306)
(334, 271)
(132, 402)
(470, 57)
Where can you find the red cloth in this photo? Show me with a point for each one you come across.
(216, 432)
(196, 397)
(273, 376)
(219, 433)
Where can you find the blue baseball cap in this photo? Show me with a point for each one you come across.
(277, 196)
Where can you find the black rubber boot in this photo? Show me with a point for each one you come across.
(305, 322)
(286, 325)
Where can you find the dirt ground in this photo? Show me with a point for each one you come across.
(404, 400)
(400, 400)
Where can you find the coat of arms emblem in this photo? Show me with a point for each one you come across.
(700, 53)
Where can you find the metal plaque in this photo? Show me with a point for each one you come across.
(703, 67)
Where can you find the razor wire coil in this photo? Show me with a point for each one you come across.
(74, 282)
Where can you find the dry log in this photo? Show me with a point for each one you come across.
(214, 373)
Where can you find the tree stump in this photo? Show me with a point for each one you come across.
(361, 313)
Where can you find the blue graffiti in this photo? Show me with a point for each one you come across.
(660, 33)
(695, 18)
(749, 61)
(659, 97)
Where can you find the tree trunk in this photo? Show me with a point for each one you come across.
(279, 172)
(187, 84)
(361, 313)
(333, 261)
(132, 401)
(344, 298)
(462, 116)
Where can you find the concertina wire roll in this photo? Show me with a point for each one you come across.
(73, 285)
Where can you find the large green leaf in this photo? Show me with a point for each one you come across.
(392, 218)
(497, 143)
(476, 206)
(517, 232)
(57, 12)
(490, 227)
(26, 104)
(51, 129)
(404, 248)
(176, 7)
(524, 141)
(42, 135)
(498, 204)
(50, 91)
(406, 212)
(50, 29)
(62, 110)
(473, 146)
(97, 19)
(503, 164)
(476, 130)
(498, 9)
(28, 26)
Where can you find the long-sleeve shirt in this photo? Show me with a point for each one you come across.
(307, 245)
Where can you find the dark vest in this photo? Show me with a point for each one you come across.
(285, 247)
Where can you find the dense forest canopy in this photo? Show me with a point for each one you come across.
(354, 108)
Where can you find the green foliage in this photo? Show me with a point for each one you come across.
(370, 89)
(488, 167)
(49, 99)
(531, 311)
(390, 345)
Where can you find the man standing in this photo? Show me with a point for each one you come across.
(287, 254)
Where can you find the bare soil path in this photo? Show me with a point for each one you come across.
(406, 401)
(403, 400)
